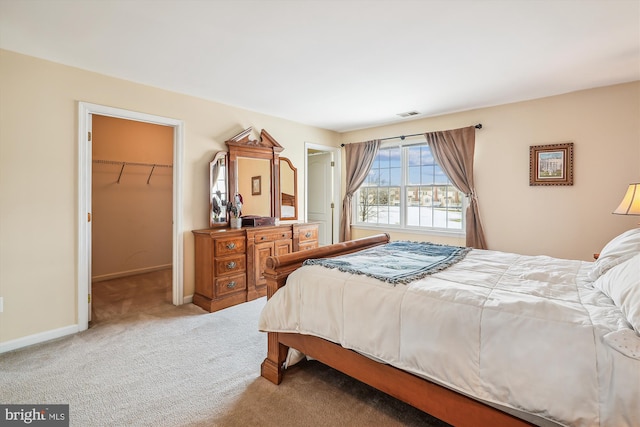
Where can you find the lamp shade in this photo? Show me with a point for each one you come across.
(630, 204)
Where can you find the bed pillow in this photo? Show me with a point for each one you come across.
(622, 284)
(617, 251)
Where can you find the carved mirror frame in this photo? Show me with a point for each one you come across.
(266, 147)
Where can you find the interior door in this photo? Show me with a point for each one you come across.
(320, 195)
(88, 230)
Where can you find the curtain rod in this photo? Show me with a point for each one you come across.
(402, 137)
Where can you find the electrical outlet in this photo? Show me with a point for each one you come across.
(1, 304)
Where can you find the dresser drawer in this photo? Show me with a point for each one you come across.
(273, 235)
(230, 246)
(308, 234)
(307, 245)
(230, 265)
(231, 284)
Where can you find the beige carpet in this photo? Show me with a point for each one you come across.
(145, 362)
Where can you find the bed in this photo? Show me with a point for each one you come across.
(494, 339)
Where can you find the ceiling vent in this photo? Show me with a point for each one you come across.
(409, 114)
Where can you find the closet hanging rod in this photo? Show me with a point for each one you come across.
(115, 162)
(123, 164)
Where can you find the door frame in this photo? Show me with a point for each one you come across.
(85, 111)
(337, 184)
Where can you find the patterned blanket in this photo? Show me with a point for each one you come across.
(396, 262)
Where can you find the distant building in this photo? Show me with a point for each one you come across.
(550, 167)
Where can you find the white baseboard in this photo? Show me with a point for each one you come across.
(119, 274)
(37, 338)
(188, 299)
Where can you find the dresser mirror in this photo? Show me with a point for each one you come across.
(253, 169)
(288, 190)
(254, 177)
(218, 190)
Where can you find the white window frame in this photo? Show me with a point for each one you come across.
(403, 227)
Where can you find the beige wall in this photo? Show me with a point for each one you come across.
(131, 207)
(564, 221)
(38, 174)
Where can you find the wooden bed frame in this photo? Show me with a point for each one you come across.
(441, 402)
(288, 199)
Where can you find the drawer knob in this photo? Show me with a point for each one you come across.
(231, 265)
(231, 245)
(308, 234)
(231, 285)
(262, 238)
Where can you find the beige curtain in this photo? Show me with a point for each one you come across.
(453, 150)
(359, 159)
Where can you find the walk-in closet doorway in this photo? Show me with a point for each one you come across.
(131, 215)
(130, 173)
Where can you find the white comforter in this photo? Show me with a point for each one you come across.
(529, 333)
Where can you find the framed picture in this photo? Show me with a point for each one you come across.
(551, 164)
(256, 185)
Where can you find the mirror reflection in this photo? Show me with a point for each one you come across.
(218, 190)
(288, 190)
(254, 183)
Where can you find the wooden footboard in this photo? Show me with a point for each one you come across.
(441, 402)
(276, 272)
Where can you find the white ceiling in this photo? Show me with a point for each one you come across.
(339, 65)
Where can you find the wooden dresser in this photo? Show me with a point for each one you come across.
(230, 263)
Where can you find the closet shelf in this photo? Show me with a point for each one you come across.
(153, 166)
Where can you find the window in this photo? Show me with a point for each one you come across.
(407, 189)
